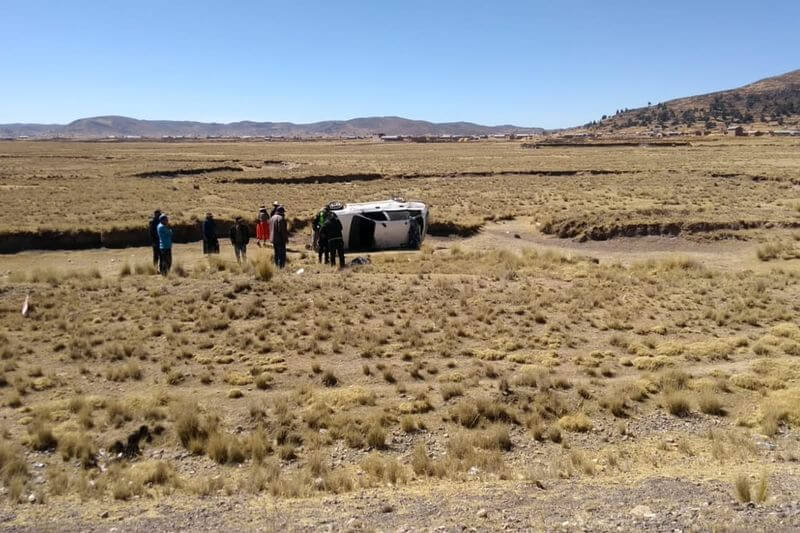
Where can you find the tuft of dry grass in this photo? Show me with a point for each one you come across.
(677, 404)
(742, 487)
(263, 269)
(578, 422)
(710, 403)
(78, 446)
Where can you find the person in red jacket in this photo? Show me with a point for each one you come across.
(262, 227)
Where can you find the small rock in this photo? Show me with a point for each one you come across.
(642, 511)
(104, 514)
(319, 483)
(32, 498)
(386, 508)
(482, 513)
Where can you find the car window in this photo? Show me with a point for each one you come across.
(375, 215)
(397, 215)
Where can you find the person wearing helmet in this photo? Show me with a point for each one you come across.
(320, 237)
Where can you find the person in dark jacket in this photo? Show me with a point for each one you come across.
(240, 236)
(333, 232)
(279, 234)
(153, 227)
(210, 240)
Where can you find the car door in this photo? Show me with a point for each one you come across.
(398, 227)
(383, 238)
(361, 233)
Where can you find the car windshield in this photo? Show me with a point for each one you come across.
(375, 215)
(398, 215)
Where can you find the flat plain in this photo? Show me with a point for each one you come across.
(595, 338)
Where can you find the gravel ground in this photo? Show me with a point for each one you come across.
(655, 504)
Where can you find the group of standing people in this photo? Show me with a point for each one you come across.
(272, 227)
(269, 227)
(328, 238)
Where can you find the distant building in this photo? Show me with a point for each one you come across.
(786, 133)
(736, 131)
(390, 138)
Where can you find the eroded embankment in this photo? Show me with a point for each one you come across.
(355, 177)
(83, 239)
(755, 177)
(449, 228)
(175, 173)
(597, 231)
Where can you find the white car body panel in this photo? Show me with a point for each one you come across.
(388, 233)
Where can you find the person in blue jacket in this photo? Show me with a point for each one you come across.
(164, 244)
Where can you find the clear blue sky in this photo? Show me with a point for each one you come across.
(533, 63)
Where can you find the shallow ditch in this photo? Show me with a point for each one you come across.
(357, 177)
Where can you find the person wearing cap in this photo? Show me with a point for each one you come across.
(153, 228)
(262, 226)
(210, 240)
(240, 236)
(275, 206)
(280, 235)
(164, 244)
(333, 231)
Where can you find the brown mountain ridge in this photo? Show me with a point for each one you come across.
(118, 126)
(772, 101)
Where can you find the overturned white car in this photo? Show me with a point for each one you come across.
(382, 225)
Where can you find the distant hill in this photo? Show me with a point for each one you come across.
(771, 102)
(108, 126)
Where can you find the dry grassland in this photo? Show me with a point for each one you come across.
(530, 387)
(71, 186)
